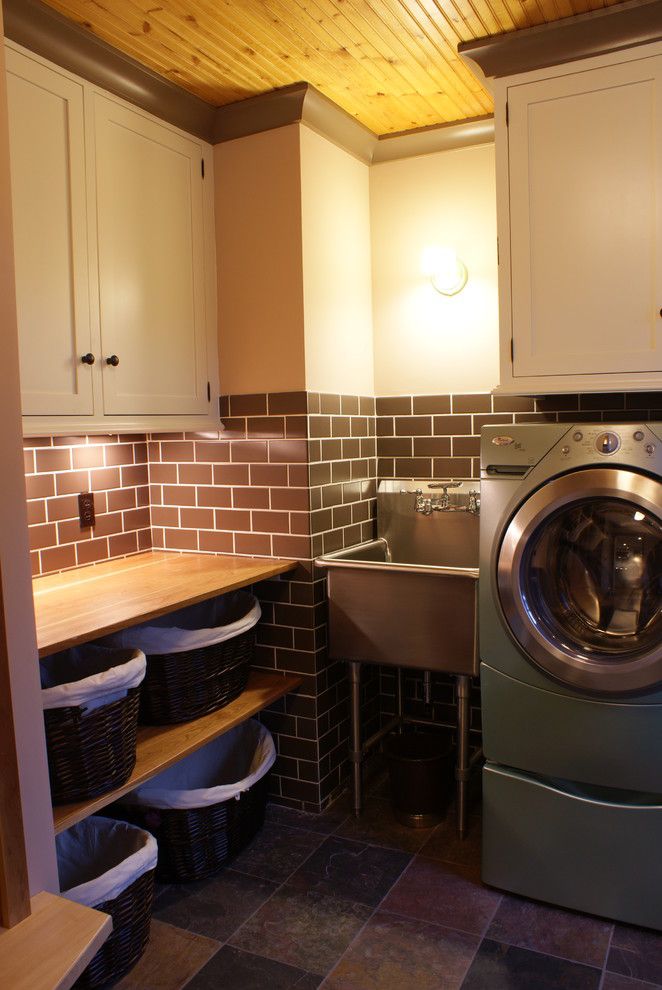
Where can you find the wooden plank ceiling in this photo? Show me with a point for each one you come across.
(392, 64)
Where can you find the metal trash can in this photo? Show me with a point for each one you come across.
(421, 776)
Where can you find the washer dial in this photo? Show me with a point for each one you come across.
(607, 443)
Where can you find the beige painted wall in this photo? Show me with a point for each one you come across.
(15, 563)
(424, 342)
(335, 198)
(258, 244)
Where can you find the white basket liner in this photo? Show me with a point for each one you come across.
(84, 677)
(191, 628)
(99, 858)
(221, 770)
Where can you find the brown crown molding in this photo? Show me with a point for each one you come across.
(42, 30)
(582, 36)
(298, 103)
(428, 140)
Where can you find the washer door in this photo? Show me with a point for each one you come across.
(579, 575)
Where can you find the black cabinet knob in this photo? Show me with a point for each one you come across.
(87, 358)
(113, 360)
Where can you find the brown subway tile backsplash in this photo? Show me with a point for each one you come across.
(413, 426)
(400, 405)
(247, 405)
(470, 412)
(478, 402)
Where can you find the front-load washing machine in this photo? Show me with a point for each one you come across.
(571, 672)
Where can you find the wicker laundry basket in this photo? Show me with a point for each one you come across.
(109, 865)
(206, 808)
(90, 696)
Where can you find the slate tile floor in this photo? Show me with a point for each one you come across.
(334, 903)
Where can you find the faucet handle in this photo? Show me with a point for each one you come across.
(445, 485)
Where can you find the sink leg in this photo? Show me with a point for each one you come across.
(355, 754)
(463, 768)
(399, 698)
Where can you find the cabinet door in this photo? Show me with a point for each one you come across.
(151, 264)
(585, 169)
(47, 150)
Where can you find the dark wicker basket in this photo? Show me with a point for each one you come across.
(179, 687)
(196, 843)
(91, 754)
(131, 912)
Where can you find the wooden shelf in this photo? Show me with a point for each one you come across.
(161, 746)
(83, 604)
(52, 947)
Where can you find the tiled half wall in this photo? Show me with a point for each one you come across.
(290, 474)
(115, 469)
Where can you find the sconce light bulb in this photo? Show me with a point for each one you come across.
(446, 271)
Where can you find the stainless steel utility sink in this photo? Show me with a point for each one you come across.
(408, 598)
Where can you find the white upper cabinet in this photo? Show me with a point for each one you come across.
(151, 257)
(47, 150)
(580, 226)
(113, 230)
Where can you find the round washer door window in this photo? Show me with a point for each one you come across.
(580, 580)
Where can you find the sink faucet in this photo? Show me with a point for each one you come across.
(426, 505)
(423, 505)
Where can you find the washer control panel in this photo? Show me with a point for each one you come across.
(515, 450)
(629, 441)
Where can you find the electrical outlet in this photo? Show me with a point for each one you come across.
(86, 509)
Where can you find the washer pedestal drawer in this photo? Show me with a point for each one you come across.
(593, 740)
(578, 851)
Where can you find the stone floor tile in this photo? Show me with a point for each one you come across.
(302, 928)
(444, 894)
(393, 953)
(325, 823)
(353, 870)
(214, 907)
(636, 952)
(612, 981)
(446, 846)
(551, 930)
(506, 967)
(276, 852)
(231, 969)
(171, 958)
(377, 825)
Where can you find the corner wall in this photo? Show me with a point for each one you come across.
(335, 217)
(18, 620)
(426, 343)
(259, 262)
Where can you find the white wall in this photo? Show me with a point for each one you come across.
(335, 214)
(424, 342)
(258, 249)
(15, 578)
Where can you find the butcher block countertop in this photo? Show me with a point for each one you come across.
(79, 605)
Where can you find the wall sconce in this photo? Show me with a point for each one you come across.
(445, 270)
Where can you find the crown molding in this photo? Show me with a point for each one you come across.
(42, 30)
(298, 103)
(428, 140)
(301, 103)
(581, 36)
